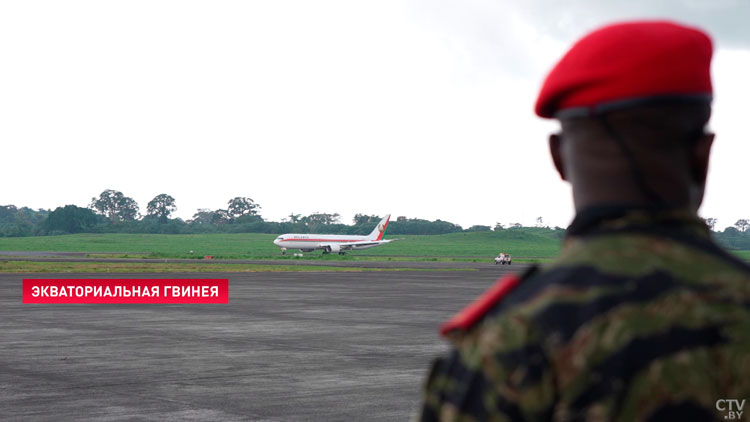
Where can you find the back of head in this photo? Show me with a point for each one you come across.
(633, 100)
(611, 159)
(653, 127)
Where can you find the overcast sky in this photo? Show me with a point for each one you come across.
(414, 108)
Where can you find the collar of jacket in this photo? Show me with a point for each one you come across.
(617, 218)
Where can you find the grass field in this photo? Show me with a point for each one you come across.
(260, 246)
(528, 245)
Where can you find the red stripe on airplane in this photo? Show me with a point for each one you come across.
(322, 240)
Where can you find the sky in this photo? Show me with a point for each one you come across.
(421, 109)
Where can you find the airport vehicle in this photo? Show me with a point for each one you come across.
(503, 258)
(334, 243)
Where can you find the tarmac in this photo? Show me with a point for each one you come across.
(307, 346)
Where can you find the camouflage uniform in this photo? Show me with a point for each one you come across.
(642, 317)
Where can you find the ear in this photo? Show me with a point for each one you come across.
(555, 142)
(699, 158)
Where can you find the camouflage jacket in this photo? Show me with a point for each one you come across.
(642, 317)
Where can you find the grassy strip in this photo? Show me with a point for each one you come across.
(537, 245)
(529, 243)
(334, 258)
(128, 267)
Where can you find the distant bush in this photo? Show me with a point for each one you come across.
(419, 226)
(70, 219)
(17, 222)
(731, 238)
(478, 229)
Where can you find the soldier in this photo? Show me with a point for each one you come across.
(642, 317)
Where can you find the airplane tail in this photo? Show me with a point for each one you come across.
(379, 231)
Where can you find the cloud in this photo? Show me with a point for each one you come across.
(726, 20)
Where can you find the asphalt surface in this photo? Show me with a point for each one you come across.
(288, 347)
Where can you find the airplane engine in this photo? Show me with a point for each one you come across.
(334, 248)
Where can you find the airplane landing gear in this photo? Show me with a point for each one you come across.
(283, 251)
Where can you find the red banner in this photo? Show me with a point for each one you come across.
(123, 290)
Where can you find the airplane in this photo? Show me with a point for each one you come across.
(331, 243)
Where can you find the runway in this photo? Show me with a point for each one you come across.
(312, 346)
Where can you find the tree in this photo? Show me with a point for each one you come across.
(239, 206)
(22, 221)
(8, 214)
(221, 217)
(206, 217)
(161, 207)
(321, 218)
(129, 209)
(70, 219)
(420, 226)
(499, 226)
(115, 206)
(539, 222)
(731, 231)
(478, 228)
(365, 219)
(742, 225)
(711, 223)
(294, 218)
(202, 217)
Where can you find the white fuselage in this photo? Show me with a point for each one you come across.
(336, 243)
(309, 242)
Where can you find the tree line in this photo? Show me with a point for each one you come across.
(113, 212)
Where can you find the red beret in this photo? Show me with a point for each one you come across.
(626, 64)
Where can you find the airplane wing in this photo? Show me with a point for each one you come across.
(350, 245)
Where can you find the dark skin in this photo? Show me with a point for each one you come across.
(668, 143)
